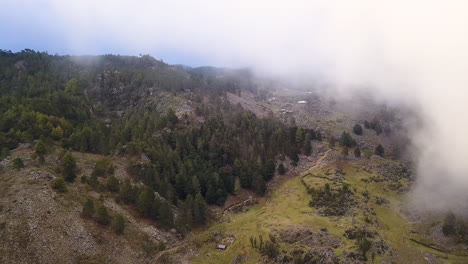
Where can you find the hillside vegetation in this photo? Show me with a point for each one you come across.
(121, 159)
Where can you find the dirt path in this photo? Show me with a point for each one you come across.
(145, 226)
(177, 247)
(319, 161)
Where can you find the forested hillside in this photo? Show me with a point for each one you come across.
(105, 105)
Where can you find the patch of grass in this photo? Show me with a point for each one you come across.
(288, 206)
(32, 182)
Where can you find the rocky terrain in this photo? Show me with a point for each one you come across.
(41, 225)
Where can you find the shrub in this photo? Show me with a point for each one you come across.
(59, 185)
(166, 216)
(161, 246)
(5, 153)
(113, 184)
(281, 169)
(364, 246)
(103, 168)
(69, 166)
(448, 227)
(18, 164)
(357, 152)
(268, 248)
(88, 209)
(379, 150)
(357, 129)
(367, 124)
(40, 149)
(102, 215)
(119, 225)
(344, 151)
(346, 140)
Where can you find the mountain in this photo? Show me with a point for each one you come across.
(121, 159)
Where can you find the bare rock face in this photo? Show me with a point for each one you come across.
(20, 65)
(242, 206)
(40, 175)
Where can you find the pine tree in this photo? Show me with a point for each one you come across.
(460, 230)
(364, 245)
(367, 124)
(113, 184)
(221, 196)
(5, 153)
(185, 220)
(293, 155)
(94, 182)
(145, 202)
(237, 186)
(166, 217)
(379, 150)
(59, 185)
(88, 209)
(307, 145)
(239, 171)
(195, 185)
(57, 133)
(300, 136)
(210, 194)
(357, 129)
(171, 117)
(269, 170)
(259, 184)
(281, 169)
(346, 140)
(319, 136)
(40, 150)
(344, 151)
(127, 192)
(199, 210)
(102, 216)
(332, 142)
(189, 206)
(375, 124)
(17, 163)
(69, 166)
(103, 167)
(119, 224)
(181, 186)
(448, 227)
(357, 152)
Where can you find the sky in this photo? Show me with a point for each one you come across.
(411, 52)
(44, 26)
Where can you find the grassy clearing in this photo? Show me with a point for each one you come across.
(288, 206)
(285, 207)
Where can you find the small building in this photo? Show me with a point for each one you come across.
(302, 102)
(221, 247)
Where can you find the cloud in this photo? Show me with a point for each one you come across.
(413, 52)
